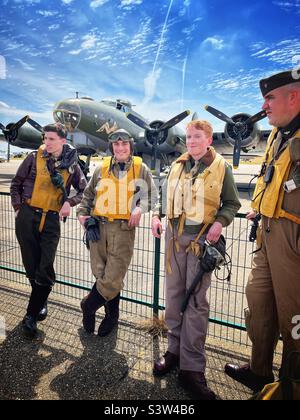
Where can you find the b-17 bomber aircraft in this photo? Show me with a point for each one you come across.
(90, 122)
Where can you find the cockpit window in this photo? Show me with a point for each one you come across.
(68, 114)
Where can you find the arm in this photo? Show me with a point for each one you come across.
(147, 196)
(230, 200)
(16, 187)
(88, 199)
(230, 206)
(79, 183)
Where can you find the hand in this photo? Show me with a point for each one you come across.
(156, 227)
(214, 233)
(16, 213)
(65, 210)
(251, 215)
(135, 217)
(82, 219)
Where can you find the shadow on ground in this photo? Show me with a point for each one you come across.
(65, 363)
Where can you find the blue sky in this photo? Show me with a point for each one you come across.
(164, 56)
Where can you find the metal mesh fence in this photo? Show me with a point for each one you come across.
(144, 292)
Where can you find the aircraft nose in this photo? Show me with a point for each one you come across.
(67, 113)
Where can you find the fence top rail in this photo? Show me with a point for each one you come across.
(238, 215)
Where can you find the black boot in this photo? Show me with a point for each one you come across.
(111, 318)
(29, 326)
(39, 296)
(44, 311)
(90, 305)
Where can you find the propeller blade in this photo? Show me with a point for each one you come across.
(2, 127)
(175, 120)
(19, 124)
(237, 151)
(35, 125)
(255, 118)
(138, 121)
(219, 114)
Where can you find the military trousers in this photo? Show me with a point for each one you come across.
(38, 249)
(187, 333)
(273, 294)
(111, 256)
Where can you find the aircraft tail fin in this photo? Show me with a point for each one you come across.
(195, 116)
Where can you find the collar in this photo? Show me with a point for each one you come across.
(288, 131)
(207, 159)
(122, 166)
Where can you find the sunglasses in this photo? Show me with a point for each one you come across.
(120, 136)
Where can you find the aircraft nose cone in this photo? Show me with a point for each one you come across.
(68, 113)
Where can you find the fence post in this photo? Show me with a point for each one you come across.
(156, 277)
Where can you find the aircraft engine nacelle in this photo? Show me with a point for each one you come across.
(166, 140)
(25, 137)
(250, 133)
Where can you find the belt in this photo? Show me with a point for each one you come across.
(103, 219)
(39, 210)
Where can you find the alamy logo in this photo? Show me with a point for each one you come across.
(296, 329)
(2, 328)
(2, 67)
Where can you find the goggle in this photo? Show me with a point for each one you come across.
(120, 136)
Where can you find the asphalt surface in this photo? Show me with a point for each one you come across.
(65, 363)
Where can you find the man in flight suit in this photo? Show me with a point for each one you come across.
(202, 199)
(40, 197)
(272, 291)
(120, 191)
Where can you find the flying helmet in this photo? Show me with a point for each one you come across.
(121, 135)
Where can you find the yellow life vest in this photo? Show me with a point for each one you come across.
(268, 199)
(114, 196)
(45, 195)
(200, 201)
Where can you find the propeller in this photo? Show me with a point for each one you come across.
(156, 131)
(239, 128)
(11, 130)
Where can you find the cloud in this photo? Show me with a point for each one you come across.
(54, 27)
(150, 83)
(283, 52)
(67, 1)
(129, 4)
(97, 3)
(214, 42)
(47, 13)
(289, 6)
(89, 41)
(24, 65)
(3, 105)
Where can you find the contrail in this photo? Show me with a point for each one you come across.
(151, 80)
(162, 36)
(183, 77)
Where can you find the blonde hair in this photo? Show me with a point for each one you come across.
(202, 125)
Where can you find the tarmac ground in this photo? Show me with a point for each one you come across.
(66, 363)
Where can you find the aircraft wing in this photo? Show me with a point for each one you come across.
(223, 146)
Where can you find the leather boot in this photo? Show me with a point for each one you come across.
(165, 364)
(90, 305)
(30, 326)
(44, 311)
(38, 297)
(245, 376)
(111, 318)
(195, 383)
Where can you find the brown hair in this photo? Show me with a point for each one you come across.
(57, 128)
(202, 125)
